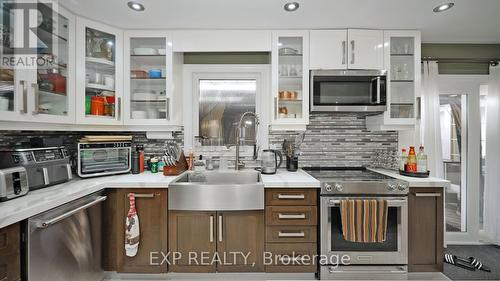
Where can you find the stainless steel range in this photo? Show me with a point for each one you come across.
(374, 260)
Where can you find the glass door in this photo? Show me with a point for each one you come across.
(7, 74)
(100, 62)
(290, 78)
(51, 92)
(453, 118)
(99, 81)
(148, 69)
(402, 77)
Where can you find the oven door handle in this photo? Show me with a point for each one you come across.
(390, 202)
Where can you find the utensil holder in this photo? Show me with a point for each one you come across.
(292, 163)
(177, 169)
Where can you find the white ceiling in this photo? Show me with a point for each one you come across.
(470, 21)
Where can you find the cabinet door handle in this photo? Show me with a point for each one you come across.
(292, 217)
(36, 110)
(378, 90)
(119, 109)
(168, 109)
(24, 109)
(211, 229)
(220, 228)
(343, 51)
(291, 234)
(291, 196)
(428, 194)
(352, 51)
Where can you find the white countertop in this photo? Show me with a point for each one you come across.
(285, 179)
(414, 182)
(39, 201)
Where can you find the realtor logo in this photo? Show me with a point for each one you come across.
(27, 34)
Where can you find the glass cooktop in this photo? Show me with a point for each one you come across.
(336, 174)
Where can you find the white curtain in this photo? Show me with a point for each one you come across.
(430, 127)
(492, 180)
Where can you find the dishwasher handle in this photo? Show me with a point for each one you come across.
(47, 223)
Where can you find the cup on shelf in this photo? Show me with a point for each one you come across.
(4, 104)
(96, 78)
(109, 81)
(139, 114)
(153, 114)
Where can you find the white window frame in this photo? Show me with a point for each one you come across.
(192, 73)
(469, 85)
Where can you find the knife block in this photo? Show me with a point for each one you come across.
(177, 169)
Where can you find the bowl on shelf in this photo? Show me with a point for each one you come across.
(144, 51)
(154, 73)
(145, 95)
(138, 74)
(139, 114)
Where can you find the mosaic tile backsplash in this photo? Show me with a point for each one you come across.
(338, 140)
(331, 140)
(152, 147)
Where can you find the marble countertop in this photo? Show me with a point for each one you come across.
(414, 182)
(285, 179)
(39, 201)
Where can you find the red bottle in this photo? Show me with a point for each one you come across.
(411, 165)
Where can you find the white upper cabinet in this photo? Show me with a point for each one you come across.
(43, 92)
(328, 49)
(366, 49)
(290, 79)
(347, 49)
(402, 61)
(222, 41)
(148, 88)
(99, 85)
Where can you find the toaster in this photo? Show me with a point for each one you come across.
(13, 183)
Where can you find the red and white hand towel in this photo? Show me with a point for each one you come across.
(132, 231)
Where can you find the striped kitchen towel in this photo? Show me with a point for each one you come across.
(364, 221)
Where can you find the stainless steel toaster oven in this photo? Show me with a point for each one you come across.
(104, 158)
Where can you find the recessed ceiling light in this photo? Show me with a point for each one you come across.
(443, 7)
(135, 6)
(292, 6)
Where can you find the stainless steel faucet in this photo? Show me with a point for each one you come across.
(237, 164)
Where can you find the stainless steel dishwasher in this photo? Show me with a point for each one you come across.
(65, 243)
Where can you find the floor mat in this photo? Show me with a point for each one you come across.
(489, 255)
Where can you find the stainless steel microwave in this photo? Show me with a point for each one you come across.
(348, 90)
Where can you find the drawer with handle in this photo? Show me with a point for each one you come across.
(291, 215)
(290, 234)
(288, 197)
(298, 257)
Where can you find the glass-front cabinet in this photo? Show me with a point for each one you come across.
(42, 91)
(402, 60)
(99, 77)
(290, 78)
(148, 78)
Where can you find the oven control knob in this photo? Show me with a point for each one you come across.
(402, 186)
(339, 187)
(328, 187)
(392, 186)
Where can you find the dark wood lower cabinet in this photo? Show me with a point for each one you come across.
(10, 255)
(221, 236)
(153, 215)
(425, 229)
(191, 235)
(242, 233)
